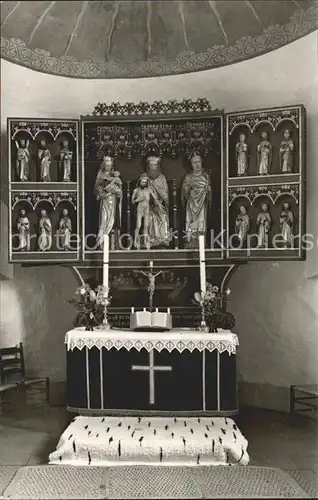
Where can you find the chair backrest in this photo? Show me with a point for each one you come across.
(11, 362)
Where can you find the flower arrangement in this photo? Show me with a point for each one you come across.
(91, 306)
(212, 308)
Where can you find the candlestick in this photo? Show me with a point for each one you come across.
(202, 263)
(106, 325)
(106, 264)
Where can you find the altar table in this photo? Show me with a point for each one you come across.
(154, 373)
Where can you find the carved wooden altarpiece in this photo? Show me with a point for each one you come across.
(248, 157)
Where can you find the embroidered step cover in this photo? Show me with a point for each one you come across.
(104, 441)
(176, 339)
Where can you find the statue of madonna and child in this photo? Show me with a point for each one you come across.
(109, 192)
(196, 197)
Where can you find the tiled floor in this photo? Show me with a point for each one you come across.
(275, 440)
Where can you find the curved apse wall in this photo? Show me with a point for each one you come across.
(275, 304)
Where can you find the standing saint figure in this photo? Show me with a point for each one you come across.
(242, 224)
(109, 192)
(286, 220)
(195, 197)
(264, 154)
(44, 156)
(158, 230)
(45, 233)
(66, 156)
(23, 227)
(241, 149)
(23, 160)
(263, 223)
(286, 151)
(65, 230)
(141, 197)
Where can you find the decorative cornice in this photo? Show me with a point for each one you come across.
(272, 192)
(200, 105)
(300, 24)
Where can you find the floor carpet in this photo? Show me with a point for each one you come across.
(140, 482)
(107, 441)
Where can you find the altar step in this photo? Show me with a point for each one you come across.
(105, 441)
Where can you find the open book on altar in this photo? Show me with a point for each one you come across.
(146, 320)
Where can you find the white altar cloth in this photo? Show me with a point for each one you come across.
(105, 441)
(179, 339)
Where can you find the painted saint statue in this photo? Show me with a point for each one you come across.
(264, 154)
(65, 230)
(109, 192)
(196, 196)
(286, 220)
(241, 155)
(22, 160)
(263, 222)
(66, 156)
(159, 234)
(242, 224)
(23, 227)
(286, 152)
(45, 158)
(45, 232)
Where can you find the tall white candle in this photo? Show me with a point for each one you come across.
(151, 265)
(106, 264)
(202, 263)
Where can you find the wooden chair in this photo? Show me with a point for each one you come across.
(12, 378)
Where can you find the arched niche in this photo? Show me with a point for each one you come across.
(62, 136)
(16, 142)
(277, 210)
(234, 211)
(286, 124)
(61, 206)
(233, 140)
(31, 215)
(48, 138)
(256, 138)
(255, 209)
(48, 206)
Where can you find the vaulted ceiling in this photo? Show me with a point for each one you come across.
(125, 39)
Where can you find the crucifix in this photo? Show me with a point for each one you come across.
(152, 283)
(151, 369)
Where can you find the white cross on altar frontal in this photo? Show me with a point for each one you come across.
(151, 368)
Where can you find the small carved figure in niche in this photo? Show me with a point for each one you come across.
(264, 154)
(242, 224)
(141, 197)
(66, 156)
(242, 155)
(23, 159)
(195, 196)
(158, 211)
(44, 156)
(286, 220)
(65, 230)
(45, 233)
(263, 222)
(108, 190)
(23, 227)
(286, 152)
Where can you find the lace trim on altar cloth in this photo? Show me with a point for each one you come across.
(180, 341)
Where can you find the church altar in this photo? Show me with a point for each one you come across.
(123, 372)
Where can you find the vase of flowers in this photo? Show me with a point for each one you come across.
(91, 306)
(212, 304)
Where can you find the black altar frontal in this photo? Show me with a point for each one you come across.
(125, 372)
